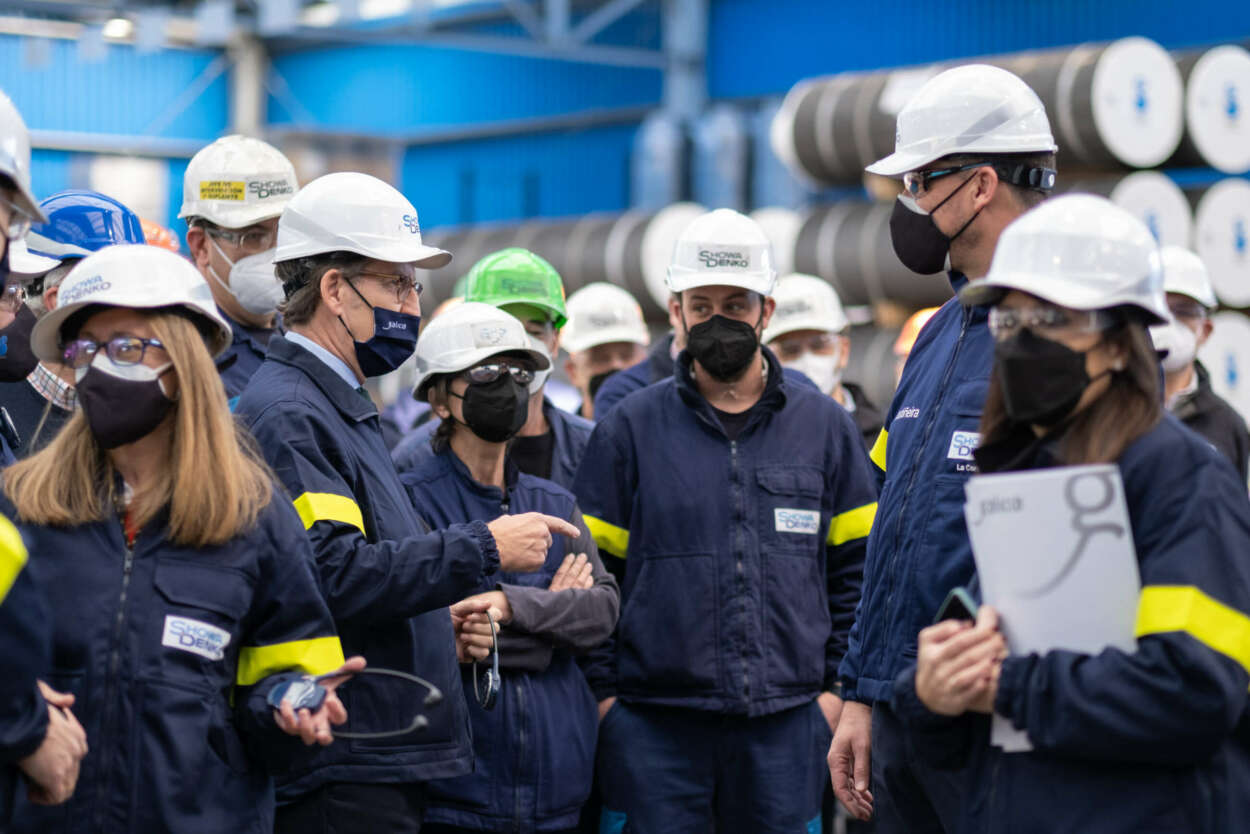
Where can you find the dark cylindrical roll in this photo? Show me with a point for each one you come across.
(871, 364)
(1149, 195)
(1217, 109)
(1222, 238)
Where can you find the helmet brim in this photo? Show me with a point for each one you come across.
(421, 389)
(45, 338)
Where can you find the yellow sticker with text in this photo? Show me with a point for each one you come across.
(223, 190)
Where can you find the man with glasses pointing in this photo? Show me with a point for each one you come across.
(974, 150)
(348, 250)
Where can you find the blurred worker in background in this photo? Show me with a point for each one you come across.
(474, 365)
(974, 150)
(79, 223)
(349, 248)
(40, 739)
(1150, 738)
(737, 505)
(551, 443)
(658, 365)
(232, 193)
(1187, 384)
(605, 334)
(809, 334)
(907, 335)
(179, 581)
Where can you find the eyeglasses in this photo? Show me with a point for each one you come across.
(821, 344)
(489, 373)
(1191, 310)
(251, 241)
(917, 182)
(123, 350)
(12, 298)
(19, 220)
(402, 285)
(486, 688)
(1047, 322)
(307, 693)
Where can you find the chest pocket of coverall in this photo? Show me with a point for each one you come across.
(199, 626)
(790, 515)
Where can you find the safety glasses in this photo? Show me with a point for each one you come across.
(486, 686)
(918, 182)
(19, 220)
(308, 693)
(252, 241)
(1048, 322)
(12, 298)
(483, 374)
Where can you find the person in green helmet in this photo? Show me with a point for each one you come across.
(551, 443)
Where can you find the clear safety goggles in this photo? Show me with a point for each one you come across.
(308, 693)
(1052, 323)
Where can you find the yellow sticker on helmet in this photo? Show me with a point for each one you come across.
(223, 190)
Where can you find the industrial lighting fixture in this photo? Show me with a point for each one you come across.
(118, 28)
(320, 14)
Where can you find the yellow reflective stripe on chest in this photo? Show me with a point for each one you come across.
(313, 657)
(610, 538)
(852, 524)
(12, 556)
(1184, 608)
(326, 506)
(877, 454)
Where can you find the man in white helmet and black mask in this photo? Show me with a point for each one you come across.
(232, 194)
(974, 151)
(743, 499)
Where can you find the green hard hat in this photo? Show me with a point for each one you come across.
(517, 276)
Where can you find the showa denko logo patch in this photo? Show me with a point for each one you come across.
(721, 258)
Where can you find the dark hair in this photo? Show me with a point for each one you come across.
(301, 280)
(441, 438)
(1130, 407)
(1006, 163)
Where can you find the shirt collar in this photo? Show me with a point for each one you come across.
(59, 392)
(340, 368)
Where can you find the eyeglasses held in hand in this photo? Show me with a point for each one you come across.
(486, 688)
(308, 693)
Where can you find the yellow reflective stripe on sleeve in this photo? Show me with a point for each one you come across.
(12, 556)
(1168, 608)
(852, 524)
(326, 506)
(314, 657)
(609, 537)
(877, 455)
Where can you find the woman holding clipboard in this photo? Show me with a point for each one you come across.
(1157, 739)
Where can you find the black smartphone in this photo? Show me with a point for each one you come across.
(958, 605)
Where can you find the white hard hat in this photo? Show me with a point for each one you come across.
(1185, 273)
(973, 109)
(351, 212)
(805, 302)
(465, 335)
(600, 314)
(237, 181)
(1077, 251)
(24, 262)
(15, 158)
(130, 275)
(723, 248)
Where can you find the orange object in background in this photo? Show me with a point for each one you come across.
(907, 337)
(157, 235)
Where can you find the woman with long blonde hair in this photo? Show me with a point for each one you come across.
(181, 592)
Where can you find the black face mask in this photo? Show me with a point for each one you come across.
(1042, 380)
(596, 382)
(16, 358)
(122, 402)
(723, 346)
(918, 242)
(495, 411)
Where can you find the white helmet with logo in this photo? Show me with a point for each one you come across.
(600, 314)
(130, 275)
(351, 212)
(973, 109)
(1078, 251)
(237, 181)
(1184, 273)
(805, 302)
(723, 248)
(465, 335)
(15, 159)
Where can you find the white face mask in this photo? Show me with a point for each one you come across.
(540, 377)
(252, 281)
(1180, 343)
(822, 370)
